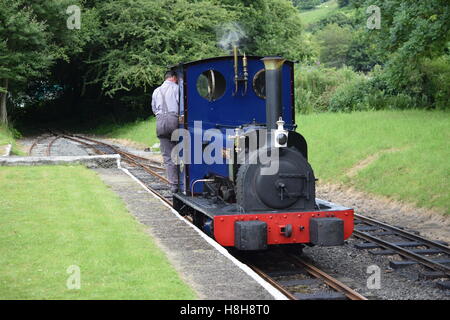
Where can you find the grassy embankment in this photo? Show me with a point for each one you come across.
(319, 12)
(55, 217)
(400, 154)
(142, 132)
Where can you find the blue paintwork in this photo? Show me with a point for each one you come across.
(226, 112)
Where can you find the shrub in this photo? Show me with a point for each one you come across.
(368, 94)
(315, 85)
(338, 18)
(437, 79)
(350, 97)
(335, 42)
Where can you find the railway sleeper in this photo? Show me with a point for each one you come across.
(300, 282)
(430, 275)
(404, 244)
(321, 296)
(405, 263)
(388, 252)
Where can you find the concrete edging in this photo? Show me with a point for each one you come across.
(102, 161)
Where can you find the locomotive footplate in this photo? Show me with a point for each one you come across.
(328, 225)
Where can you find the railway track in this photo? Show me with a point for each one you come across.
(383, 239)
(42, 145)
(321, 285)
(148, 171)
(297, 278)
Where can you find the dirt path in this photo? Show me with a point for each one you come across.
(429, 223)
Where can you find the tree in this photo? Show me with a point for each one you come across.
(343, 3)
(139, 39)
(33, 36)
(23, 48)
(273, 27)
(411, 31)
(335, 42)
(124, 46)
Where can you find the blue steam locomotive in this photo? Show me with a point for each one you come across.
(244, 175)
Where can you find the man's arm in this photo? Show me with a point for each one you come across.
(154, 102)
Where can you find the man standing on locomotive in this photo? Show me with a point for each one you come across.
(165, 105)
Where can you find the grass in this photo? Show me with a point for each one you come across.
(54, 217)
(319, 12)
(140, 131)
(7, 137)
(407, 151)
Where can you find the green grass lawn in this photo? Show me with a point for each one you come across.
(140, 131)
(319, 12)
(412, 147)
(54, 217)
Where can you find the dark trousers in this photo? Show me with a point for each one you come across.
(166, 146)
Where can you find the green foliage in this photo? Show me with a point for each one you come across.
(370, 93)
(271, 27)
(307, 4)
(33, 36)
(411, 48)
(138, 40)
(342, 41)
(315, 86)
(23, 43)
(410, 32)
(361, 54)
(338, 18)
(436, 81)
(124, 47)
(343, 3)
(334, 43)
(311, 16)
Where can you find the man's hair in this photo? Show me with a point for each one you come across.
(170, 74)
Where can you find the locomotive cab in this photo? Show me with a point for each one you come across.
(244, 174)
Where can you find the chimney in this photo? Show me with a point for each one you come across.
(273, 66)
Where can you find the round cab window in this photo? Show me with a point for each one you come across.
(259, 83)
(211, 85)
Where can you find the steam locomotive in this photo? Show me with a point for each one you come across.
(244, 175)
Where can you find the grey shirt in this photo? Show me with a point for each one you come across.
(171, 95)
